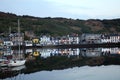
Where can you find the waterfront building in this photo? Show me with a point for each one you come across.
(45, 40)
(114, 38)
(110, 38)
(74, 39)
(64, 40)
(28, 43)
(90, 38)
(17, 38)
(29, 34)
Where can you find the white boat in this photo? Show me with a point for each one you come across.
(17, 62)
(3, 62)
(14, 63)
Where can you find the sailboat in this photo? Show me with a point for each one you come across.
(17, 62)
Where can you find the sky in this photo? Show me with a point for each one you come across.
(75, 9)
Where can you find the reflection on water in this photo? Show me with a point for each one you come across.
(69, 74)
(7, 72)
(86, 52)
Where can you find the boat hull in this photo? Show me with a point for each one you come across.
(16, 63)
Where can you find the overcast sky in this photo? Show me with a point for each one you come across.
(76, 9)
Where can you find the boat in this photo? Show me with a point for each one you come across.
(3, 62)
(14, 63)
(17, 62)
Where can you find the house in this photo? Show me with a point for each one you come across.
(7, 42)
(114, 38)
(63, 40)
(17, 38)
(110, 38)
(29, 34)
(28, 43)
(74, 39)
(90, 38)
(45, 40)
(105, 38)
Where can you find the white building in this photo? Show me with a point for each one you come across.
(74, 39)
(17, 38)
(110, 38)
(28, 43)
(8, 43)
(45, 40)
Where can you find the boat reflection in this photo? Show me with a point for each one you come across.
(6, 72)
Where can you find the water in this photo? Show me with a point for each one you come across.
(86, 52)
(110, 72)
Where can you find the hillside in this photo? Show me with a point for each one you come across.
(57, 26)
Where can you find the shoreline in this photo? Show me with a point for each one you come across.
(103, 45)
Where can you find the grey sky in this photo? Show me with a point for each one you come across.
(76, 9)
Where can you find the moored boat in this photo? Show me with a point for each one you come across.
(17, 61)
(3, 62)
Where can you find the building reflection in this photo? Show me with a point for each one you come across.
(85, 52)
(91, 52)
(6, 72)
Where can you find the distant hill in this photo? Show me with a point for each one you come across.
(57, 26)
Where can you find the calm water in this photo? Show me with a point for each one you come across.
(111, 72)
(86, 52)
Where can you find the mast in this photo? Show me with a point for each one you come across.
(19, 27)
(19, 37)
(9, 30)
(10, 34)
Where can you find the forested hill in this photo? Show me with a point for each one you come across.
(57, 26)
